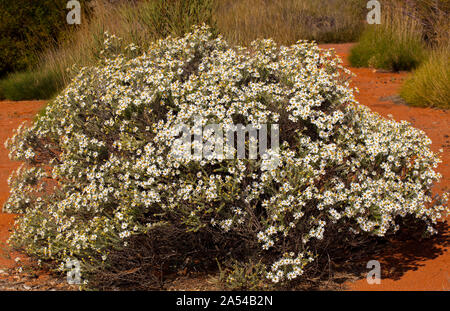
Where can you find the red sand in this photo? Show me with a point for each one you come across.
(406, 265)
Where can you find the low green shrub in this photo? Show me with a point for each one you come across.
(380, 48)
(429, 84)
(395, 44)
(244, 276)
(103, 181)
(30, 85)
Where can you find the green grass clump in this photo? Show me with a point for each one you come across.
(381, 47)
(395, 44)
(429, 85)
(30, 85)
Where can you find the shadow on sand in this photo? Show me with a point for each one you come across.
(405, 251)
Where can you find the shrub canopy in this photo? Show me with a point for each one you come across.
(101, 174)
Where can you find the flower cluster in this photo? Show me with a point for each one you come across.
(99, 168)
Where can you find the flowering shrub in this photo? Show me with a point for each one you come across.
(100, 179)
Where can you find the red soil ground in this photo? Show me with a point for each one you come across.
(405, 265)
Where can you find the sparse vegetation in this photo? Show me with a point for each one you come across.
(244, 276)
(288, 21)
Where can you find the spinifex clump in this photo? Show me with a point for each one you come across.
(101, 184)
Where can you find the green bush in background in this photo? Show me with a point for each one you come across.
(407, 31)
(30, 85)
(383, 47)
(395, 44)
(26, 29)
(430, 83)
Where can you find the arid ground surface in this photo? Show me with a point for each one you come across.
(405, 265)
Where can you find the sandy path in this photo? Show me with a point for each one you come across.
(407, 265)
